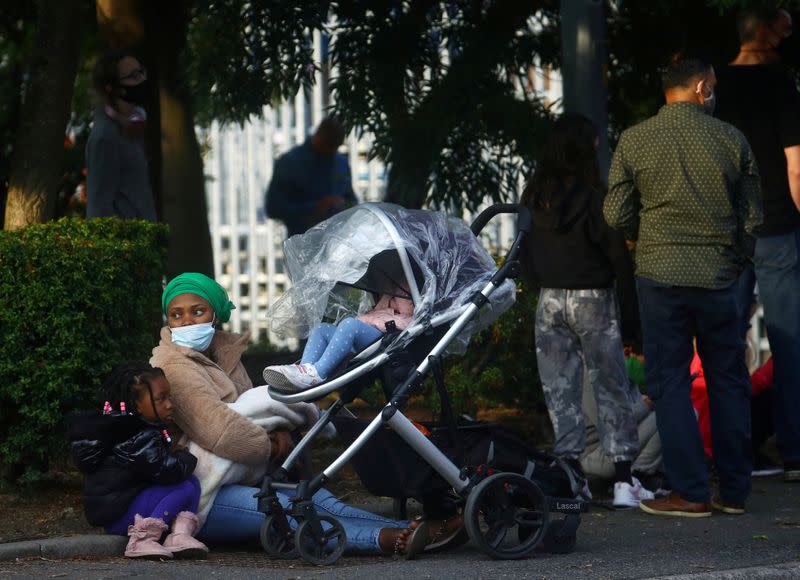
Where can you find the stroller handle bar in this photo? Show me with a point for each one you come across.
(523, 217)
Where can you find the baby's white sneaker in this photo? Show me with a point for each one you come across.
(292, 378)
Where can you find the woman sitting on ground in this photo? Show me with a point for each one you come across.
(203, 365)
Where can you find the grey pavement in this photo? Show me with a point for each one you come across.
(763, 543)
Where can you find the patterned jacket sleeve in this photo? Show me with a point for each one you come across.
(621, 206)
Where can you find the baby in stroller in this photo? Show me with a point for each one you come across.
(329, 344)
(349, 269)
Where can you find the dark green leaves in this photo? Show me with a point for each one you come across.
(76, 298)
(245, 55)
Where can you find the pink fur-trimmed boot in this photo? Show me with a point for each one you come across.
(144, 535)
(181, 541)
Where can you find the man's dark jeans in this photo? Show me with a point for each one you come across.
(671, 317)
(777, 263)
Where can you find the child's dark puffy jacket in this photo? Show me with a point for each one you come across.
(121, 455)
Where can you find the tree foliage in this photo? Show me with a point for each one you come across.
(243, 55)
(441, 86)
(643, 35)
(68, 315)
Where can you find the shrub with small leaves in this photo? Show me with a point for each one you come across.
(77, 298)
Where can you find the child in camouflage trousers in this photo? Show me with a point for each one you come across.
(574, 257)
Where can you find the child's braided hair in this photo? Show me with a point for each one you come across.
(126, 383)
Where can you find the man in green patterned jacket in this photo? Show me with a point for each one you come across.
(685, 186)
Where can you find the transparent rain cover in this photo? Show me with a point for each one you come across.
(341, 266)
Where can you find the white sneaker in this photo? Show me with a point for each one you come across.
(292, 378)
(627, 495)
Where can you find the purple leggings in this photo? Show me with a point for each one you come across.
(160, 501)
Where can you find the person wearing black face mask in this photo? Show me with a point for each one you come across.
(787, 47)
(118, 182)
(759, 97)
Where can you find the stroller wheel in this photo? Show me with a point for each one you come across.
(560, 538)
(322, 542)
(506, 516)
(277, 538)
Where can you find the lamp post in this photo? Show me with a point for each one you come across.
(585, 67)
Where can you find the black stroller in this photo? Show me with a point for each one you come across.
(337, 269)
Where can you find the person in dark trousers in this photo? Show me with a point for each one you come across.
(312, 181)
(686, 186)
(574, 257)
(135, 484)
(759, 97)
(761, 419)
(118, 182)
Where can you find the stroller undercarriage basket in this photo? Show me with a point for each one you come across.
(507, 491)
(387, 466)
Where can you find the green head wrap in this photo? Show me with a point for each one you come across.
(203, 286)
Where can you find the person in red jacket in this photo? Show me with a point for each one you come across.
(761, 413)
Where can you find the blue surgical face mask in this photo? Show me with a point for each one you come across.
(196, 336)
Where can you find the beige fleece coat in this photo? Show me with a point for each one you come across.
(202, 386)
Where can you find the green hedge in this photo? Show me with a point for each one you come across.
(76, 298)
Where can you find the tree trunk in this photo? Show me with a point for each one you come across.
(183, 198)
(584, 67)
(158, 32)
(39, 148)
(120, 23)
(183, 191)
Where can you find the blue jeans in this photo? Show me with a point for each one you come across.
(671, 317)
(778, 274)
(234, 518)
(329, 344)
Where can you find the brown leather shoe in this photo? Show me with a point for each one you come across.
(675, 505)
(727, 507)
